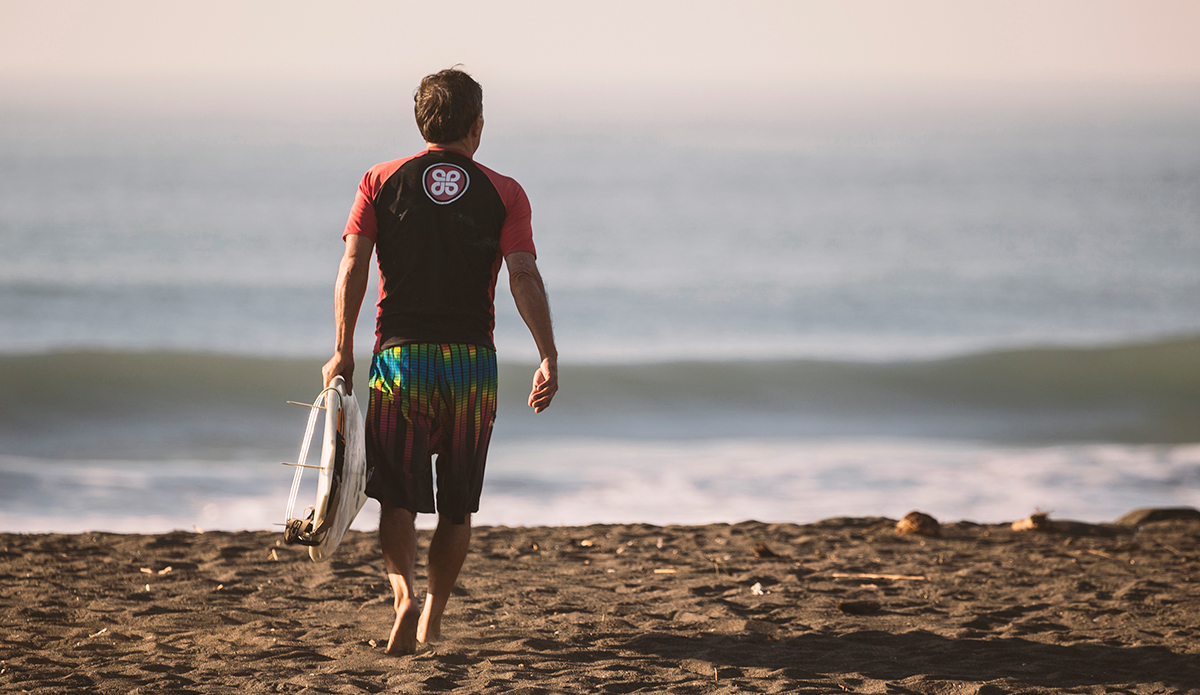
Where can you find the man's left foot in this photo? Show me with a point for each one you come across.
(403, 640)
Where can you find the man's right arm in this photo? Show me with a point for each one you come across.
(348, 296)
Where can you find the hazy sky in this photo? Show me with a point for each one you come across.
(159, 49)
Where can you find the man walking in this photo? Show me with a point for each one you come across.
(440, 224)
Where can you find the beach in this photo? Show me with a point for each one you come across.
(841, 605)
(822, 325)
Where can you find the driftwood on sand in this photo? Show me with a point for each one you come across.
(919, 524)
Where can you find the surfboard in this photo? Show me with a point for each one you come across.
(341, 475)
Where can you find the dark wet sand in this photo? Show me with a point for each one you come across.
(617, 609)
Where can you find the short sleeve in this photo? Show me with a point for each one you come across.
(362, 213)
(517, 232)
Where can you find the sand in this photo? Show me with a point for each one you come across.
(617, 609)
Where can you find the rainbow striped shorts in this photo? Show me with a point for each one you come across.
(427, 399)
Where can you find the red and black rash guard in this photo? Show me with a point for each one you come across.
(442, 225)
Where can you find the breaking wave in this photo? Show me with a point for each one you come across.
(127, 401)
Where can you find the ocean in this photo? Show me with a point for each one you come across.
(975, 322)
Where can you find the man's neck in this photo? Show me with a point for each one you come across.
(468, 144)
(460, 146)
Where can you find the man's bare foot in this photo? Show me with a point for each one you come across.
(403, 639)
(429, 631)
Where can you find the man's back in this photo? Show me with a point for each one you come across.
(441, 224)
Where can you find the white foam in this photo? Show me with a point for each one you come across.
(586, 481)
(803, 481)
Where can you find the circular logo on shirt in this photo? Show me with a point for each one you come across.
(445, 183)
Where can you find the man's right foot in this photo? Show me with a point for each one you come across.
(429, 629)
(428, 635)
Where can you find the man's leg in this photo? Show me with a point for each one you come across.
(447, 551)
(398, 538)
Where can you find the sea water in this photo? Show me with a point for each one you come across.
(976, 323)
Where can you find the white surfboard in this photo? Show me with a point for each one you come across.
(341, 477)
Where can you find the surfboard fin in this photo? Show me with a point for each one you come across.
(300, 465)
(308, 405)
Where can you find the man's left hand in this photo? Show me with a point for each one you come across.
(545, 385)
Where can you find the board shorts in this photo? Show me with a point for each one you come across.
(427, 399)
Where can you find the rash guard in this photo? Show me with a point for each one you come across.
(441, 224)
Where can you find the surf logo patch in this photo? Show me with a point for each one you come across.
(445, 183)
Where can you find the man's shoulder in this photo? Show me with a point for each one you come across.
(495, 175)
(383, 170)
(375, 178)
(506, 186)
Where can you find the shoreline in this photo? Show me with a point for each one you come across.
(839, 605)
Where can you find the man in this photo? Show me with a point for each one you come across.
(440, 224)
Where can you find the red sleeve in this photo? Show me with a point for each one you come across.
(517, 232)
(362, 213)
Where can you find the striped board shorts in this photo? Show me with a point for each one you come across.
(427, 399)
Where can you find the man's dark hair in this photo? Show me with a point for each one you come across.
(447, 104)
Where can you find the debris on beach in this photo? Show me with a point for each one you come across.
(1041, 522)
(872, 575)
(919, 524)
(859, 607)
(1038, 521)
(1148, 514)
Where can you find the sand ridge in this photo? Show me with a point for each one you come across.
(843, 605)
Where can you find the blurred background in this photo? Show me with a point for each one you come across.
(806, 259)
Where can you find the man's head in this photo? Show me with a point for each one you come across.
(447, 105)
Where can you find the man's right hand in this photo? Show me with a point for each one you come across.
(347, 299)
(340, 363)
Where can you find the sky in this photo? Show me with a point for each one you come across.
(701, 57)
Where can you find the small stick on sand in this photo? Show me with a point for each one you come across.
(373, 601)
(911, 577)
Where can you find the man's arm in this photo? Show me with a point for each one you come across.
(530, 295)
(347, 300)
